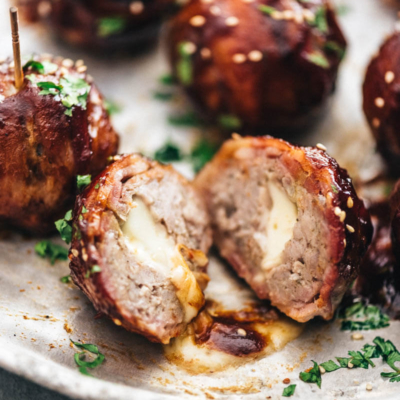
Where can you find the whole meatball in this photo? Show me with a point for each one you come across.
(381, 92)
(101, 24)
(51, 130)
(257, 64)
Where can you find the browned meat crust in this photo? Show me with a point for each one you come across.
(42, 149)
(270, 70)
(330, 237)
(132, 293)
(381, 105)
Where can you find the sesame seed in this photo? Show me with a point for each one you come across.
(350, 228)
(11, 65)
(255, 56)
(322, 369)
(207, 1)
(344, 242)
(239, 58)
(215, 10)
(190, 48)
(357, 336)
(117, 322)
(342, 216)
(321, 146)
(389, 77)
(368, 387)
(350, 365)
(64, 71)
(241, 332)
(298, 18)
(82, 68)
(350, 202)
(136, 7)
(248, 1)
(277, 15)
(288, 14)
(379, 102)
(75, 252)
(376, 123)
(79, 63)
(308, 15)
(231, 21)
(197, 20)
(46, 56)
(205, 53)
(337, 211)
(85, 257)
(67, 62)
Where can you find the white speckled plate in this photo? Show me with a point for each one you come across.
(39, 314)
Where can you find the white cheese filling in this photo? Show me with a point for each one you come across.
(152, 246)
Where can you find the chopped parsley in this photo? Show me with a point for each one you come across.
(336, 48)
(359, 317)
(334, 189)
(202, 153)
(320, 21)
(163, 96)
(80, 358)
(313, 375)
(168, 153)
(167, 79)
(289, 391)
(112, 107)
(342, 9)
(66, 279)
(184, 68)
(44, 67)
(94, 270)
(82, 181)
(266, 9)
(45, 248)
(64, 227)
(319, 59)
(110, 26)
(189, 119)
(229, 122)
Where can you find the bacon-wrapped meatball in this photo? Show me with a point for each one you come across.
(101, 24)
(257, 64)
(138, 251)
(288, 220)
(381, 92)
(51, 130)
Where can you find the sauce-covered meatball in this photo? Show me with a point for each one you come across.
(140, 235)
(288, 220)
(257, 64)
(381, 92)
(51, 130)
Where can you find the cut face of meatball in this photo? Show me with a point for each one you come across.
(254, 65)
(53, 129)
(143, 231)
(382, 101)
(288, 220)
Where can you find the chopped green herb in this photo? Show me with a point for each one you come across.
(319, 59)
(201, 153)
(363, 318)
(168, 153)
(320, 21)
(97, 185)
(82, 181)
(334, 189)
(330, 366)
(48, 88)
(112, 107)
(66, 279)
(289, 391)
(80, 357)
(94, 270)
(35, 66)
(342, 9)
(110, 26)
(53, 251)
(64, 227)
(266, 9)
(229, 122)
(335, 47)
(184, 69)
(189, 119)
(312, 376)
(163, 96)
(167, 79)
(49, 67)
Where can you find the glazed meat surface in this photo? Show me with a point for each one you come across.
(147, 230)
(42, 148)
(261, 64)
(381, 105)
(288, 220)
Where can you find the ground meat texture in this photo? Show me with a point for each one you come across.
(43, 149)
(146, 228)
(100, 25)
(381, 91)
(288, 220)
(248, 68)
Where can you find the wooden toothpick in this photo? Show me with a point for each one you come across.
(18, 73)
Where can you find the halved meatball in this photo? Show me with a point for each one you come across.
(140, 236)
(54, 128)
(257, 64)
(288, 220)
(381, 104)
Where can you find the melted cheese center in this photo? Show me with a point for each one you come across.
(281, 221)
(152, 246)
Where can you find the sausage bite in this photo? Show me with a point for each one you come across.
(54, 128)
(256, 64)
(140, 235)
(288, 220)
(381, 101)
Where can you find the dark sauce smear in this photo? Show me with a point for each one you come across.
(233, 332)
(379, 279)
